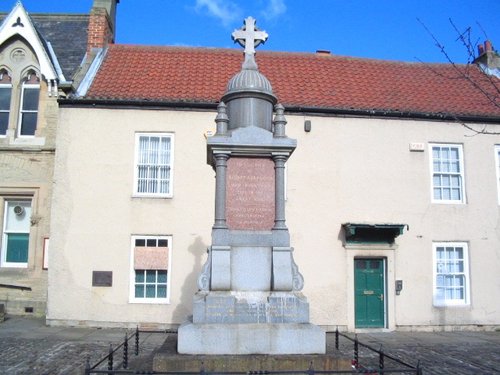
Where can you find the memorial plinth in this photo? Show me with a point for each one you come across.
(249, 300)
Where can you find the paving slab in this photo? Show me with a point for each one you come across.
(28, 346)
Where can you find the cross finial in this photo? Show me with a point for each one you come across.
(249, 37)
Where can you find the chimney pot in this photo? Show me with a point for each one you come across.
(480, 49)
(487, 46)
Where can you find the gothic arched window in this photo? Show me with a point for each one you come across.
(28, 114)
(5, 95)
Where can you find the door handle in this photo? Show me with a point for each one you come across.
(381, 297)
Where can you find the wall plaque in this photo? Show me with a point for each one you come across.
(250, 194)
(102, 278)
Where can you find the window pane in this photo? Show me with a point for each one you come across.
(162, 277)
(18, 216)
(4, 122)
(30, 99)
(151, 242)
(5, 98)
(28, 123)
(446, 194)
(162, 243)
(361, 264)
(139, 276)
(150, 276)
(437, 194)
(139, 291)
(17, 247)
(150, 291)
(140, 242)
(162, 291)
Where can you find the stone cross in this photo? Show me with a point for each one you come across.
(249, 37)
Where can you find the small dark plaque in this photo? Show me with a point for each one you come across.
(102, 278)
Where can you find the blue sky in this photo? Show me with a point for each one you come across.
(380, 29)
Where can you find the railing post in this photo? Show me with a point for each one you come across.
(381, 358)
(110, 357)
(125, 351)
(137, 340)
(356, 351)
(419, 369)
(87, 366)
(310, 371)
(337, 338)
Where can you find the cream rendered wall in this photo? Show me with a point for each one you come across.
(361, 171)
(95, 214)
(344, 170)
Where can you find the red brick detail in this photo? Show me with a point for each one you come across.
(250, 193)
(99, 33)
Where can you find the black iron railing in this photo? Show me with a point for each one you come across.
(358, 366)
(382, 359)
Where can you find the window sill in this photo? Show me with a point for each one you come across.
(449, 202)
(152, 301)
(14, 265)
(152, 196)
(451, 304)
(28, 141)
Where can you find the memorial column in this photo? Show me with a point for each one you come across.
(279, 207)
(220, 190)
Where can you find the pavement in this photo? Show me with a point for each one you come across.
(28, 346)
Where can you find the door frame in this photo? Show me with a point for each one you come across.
(384, 289)
(386, 253)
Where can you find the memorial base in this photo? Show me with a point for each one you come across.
(213, 339)
(168, 359)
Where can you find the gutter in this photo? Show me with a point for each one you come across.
(161, 104)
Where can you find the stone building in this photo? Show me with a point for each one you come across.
(42, 57)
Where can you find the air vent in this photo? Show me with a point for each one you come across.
(18, 210)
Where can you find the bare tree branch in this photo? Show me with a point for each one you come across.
(486, 84)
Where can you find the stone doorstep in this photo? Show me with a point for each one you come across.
(168, 359)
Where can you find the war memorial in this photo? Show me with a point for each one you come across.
(249, 310)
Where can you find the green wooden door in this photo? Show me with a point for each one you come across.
(369, 299)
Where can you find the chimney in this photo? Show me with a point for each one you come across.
(102, 23)
(487, 57)
(323, 52)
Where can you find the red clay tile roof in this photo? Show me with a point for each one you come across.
(200, 75)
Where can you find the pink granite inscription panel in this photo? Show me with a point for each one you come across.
(250, 193)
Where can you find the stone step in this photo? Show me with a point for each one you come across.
(167, 359)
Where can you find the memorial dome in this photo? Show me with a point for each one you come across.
(249, 80)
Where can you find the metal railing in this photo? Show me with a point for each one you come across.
(382, 358)
(357, 367)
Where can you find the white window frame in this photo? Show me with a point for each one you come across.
(27, 86)
(168, 194)
(461, 174)
(6, 85)
(4, 262)
(451, 302)
(132, 297)
(497, 164)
